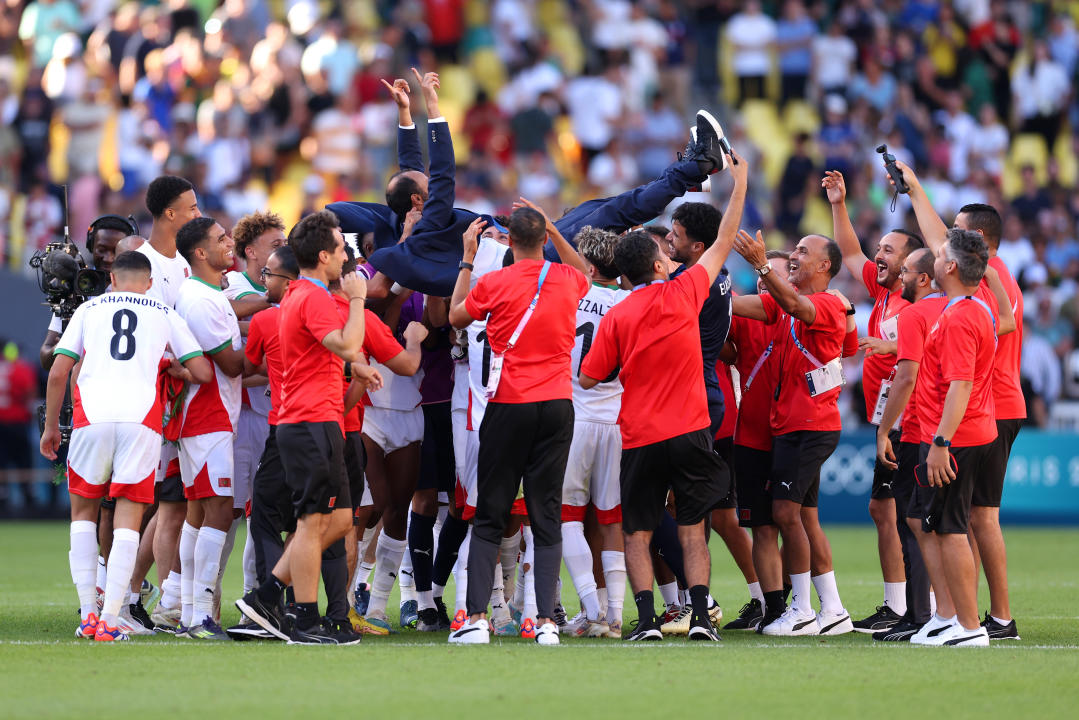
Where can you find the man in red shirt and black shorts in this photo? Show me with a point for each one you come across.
(810, 332)
(314, 343)
(652, 338)
(527, 428)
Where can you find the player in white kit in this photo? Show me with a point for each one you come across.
(119, 338)
(595, 454)
(209, 424)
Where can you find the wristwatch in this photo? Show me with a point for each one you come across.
(939, 441)
(851, 311)
(465, 266)
(764, 269)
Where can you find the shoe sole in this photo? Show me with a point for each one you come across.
(905, 636)
(718, 129)
(839, 627)
(261, 621)
(870, 631)
(702, 634)
(743, 625)
(648, 636)
(801, 631)
(249, 634)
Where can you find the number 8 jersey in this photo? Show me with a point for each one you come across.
(601, 403)
(120, 338)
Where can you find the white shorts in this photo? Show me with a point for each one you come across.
(114, 459)
(252, 430)
(393, 429)
(469, 480)
(206, 465)
(595, 457)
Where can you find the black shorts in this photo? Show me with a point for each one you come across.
(271, 497)
(752, 469)
(314, 458)
(355, 462)
(724, 447)
(990, 488)
(171, 489)
(922, 497)
(685, 464)
(437, 468)
(949, 510)
(906, 456)
(797, 458)
(884, 477)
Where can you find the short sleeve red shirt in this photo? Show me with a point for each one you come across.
(730, 407)
(751, 338)
(1007, 393)
(914, 323)
(538, 367)
(378, 342)
(264, 343)
(312, 383)
(886, 305)
(794, 409)
(653, 338)
(960, 346)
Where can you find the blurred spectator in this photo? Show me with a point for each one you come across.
(800, 179)
(595, 109)
(874, 85)
(943, 40)
(531, 127)
(833, 60)
(1033, 199)
(1042, 90)
(1063, 42)
(1041, 373)
(660, 133)
(837, 138)
(43, 22)
(613, 171)
(18, 386)
(958, 127)
(997, 39)
(1015, 249)
(751, 35)
(795, 31)
(988, 142)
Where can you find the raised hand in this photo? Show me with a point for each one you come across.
(429, 86)
(835, 186)
(738, 168)
(399, 91)
(415, 333)
(354, 286)
(470, 240)
(366, 375)
(525, 202)
(751, 248)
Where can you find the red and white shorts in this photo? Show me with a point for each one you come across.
(114, 459)
(206, 465)
(595, 457)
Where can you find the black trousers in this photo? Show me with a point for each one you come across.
(529, 442)
(272, 512)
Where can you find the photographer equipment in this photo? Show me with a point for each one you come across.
(128, 224)
(894, 173)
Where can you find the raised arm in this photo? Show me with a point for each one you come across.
(749, 306)
(845, 237)
(786, 295)
(438, 208)
(932, 227)
(566, 252)
(407, 362)
(347, 342)
(459, 317)
(409, 156)
(1006, 321)
(714, 257)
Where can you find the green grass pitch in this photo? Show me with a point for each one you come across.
(45, 672)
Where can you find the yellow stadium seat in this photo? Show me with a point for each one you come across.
(800, 116)
(763, 126)
(566, 46)
(1026, 149)
(487, 70)
(1064, 154)
(458, 86)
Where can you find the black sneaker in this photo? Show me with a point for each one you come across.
(701, 629)
(443, 615)
(706, 146)
(267, 617)
(998, 631)
(883, 619)
(341, 631)
(139, 615)
(644, 632)
(768, 618)
(247, 630)
(900, 632)
(314, 635)
(560, 618)
(428, 621)
(748, 617)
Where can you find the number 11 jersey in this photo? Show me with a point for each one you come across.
(120, 338)
(600, 403)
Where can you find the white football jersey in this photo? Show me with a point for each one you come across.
(397, 392)
(601, 403)
(120, 338)
(241, 285)
(168, 274)
(214, 325)
(490, 256)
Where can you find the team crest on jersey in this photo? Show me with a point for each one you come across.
(225, 482)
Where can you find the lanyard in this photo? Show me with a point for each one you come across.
(531, 306)
(760, 362)
(654, 282)
(985, 307)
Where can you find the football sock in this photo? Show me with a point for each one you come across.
(507, 556)
(498, 596)
(125, 546)
(646, 606)
(388, 554)
(895, 597)
(800, 599)
(421, 548)
(548, 559)
(601, 597)
(83, 561)
(932, 602)
(828, 593)
(614, 574)
(250, 572)
(361, 550)
(102, 572)
(528, 609)
(405, 578)
(698, 598)
(669, 593)
(755, 592)
(208, 549)
(578, 559)
(460, 574)
(170, 591)
(995, 618)
(226, 551)
(307, 615)
(189, 535)
(335, 580)
(449, 545)
(774, 603)
(270, 591)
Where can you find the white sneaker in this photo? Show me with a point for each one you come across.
(547, 634)
(792, 622)
(581, 626)
(680, 624)
(959, 636)
(838, 623)
(477, 633)
(932, 630)
(130, 625)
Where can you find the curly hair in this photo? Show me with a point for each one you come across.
(597, 247)
(250, 227)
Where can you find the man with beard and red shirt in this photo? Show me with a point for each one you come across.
(881, 279)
